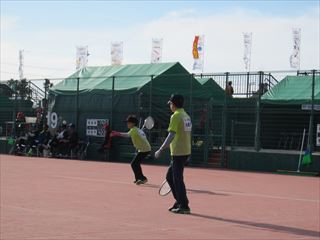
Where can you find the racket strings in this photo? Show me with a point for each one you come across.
(165, 189)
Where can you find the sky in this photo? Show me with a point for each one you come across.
(49, 31)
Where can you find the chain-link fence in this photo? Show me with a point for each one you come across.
(231, 112)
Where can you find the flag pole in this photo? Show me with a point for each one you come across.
(301, 150)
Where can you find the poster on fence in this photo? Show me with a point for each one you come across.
(95, 127)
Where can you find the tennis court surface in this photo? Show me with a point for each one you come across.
(63, 199)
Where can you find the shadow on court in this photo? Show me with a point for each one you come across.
(266, 226)
(199, 191)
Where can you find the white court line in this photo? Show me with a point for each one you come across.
(269, 196)
(222, 192)
(92, 179)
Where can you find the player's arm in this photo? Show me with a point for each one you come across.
(124, 134)
(165, 144)
(173, 128)
(120, 134)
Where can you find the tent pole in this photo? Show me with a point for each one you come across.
(224, 125)
(310, 135)
(301, 150)
(77, 105)
(112, 96)
(150, 97)
(257, 144)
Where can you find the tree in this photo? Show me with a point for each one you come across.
(21, 88)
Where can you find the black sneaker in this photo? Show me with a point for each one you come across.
(175, 205)
(180, 210)
(139, 182)
(135, 181)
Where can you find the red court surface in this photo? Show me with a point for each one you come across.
(64, 199)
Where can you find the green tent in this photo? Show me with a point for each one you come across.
(113, 92)
(212, 89)
(293, 90)
(129, 79)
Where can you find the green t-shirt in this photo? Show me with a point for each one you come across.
(180, 123)
(139, 140)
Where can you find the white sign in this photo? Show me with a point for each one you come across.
(316, 107)
(21, 61)
(82, 57)
(116, 53)
(247, 40)
(95, 127)
(295, 56)
(156, 53)
(52, 120)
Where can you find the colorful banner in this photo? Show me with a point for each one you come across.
(116, 53)
(156, 52)
(247, 40)
(82, 57)
(198, 52)
(295, 56)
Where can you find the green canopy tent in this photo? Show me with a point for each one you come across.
(293, 90)
(284, 116)
(116, 91)
(212, 89)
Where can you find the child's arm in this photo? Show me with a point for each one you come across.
(119, 134)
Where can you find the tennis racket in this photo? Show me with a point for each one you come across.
(148, 123)
(164, 189)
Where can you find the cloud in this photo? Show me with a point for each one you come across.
(272, 42)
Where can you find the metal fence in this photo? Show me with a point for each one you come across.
(218, 126)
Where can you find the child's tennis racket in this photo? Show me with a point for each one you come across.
(148, 123)
(164, 189)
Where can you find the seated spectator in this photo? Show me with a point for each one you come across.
(58, 143)
(44, 138)
(72, 140)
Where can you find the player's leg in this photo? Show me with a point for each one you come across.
(169, 178)
(178, 168)
(136, 167)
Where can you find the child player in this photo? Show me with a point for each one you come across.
(179, 140)
(142, 145)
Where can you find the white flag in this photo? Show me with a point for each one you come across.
(82, 57)
(21, 60)
(156, 53)
(116, 53)
(295, 57)
(247, 40)
(198, 52)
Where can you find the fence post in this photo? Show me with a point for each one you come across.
(14, 113)
(191, 111)
(77, 104)
(232, 134)
(150, 97)
(257, 143)
(224, 125)
(191, 92)
(248, 78)
(310, 134)
(112, 96)
(45, 101)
